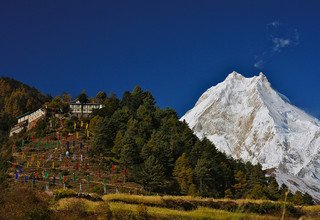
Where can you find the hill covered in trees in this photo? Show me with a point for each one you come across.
(158, 151)
(16, 98)
(162, 154)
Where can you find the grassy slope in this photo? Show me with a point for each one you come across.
(130, 207)
(162, 213)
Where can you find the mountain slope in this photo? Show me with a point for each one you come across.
(248, 119)
(16, 98)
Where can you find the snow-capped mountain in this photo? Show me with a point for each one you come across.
(248, 119)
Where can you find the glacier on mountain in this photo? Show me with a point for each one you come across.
(247, 119)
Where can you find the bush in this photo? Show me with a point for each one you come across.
(142, 211)
(178, 204)
(97, 189)
(104, 210)
(77, 209)
(64, 193)
(24, 203)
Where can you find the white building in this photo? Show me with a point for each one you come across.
(75, 108)
(27, 120)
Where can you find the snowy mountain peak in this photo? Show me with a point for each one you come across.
(235, 75)
(248, 119)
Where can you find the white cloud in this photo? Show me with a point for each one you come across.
(274, 24)
(280, 37)
(259, 64)
(279, 43)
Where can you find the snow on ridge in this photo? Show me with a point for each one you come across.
(248, 119)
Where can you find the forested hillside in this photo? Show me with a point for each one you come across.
(163, 154)
(150, 144)
(16, 98)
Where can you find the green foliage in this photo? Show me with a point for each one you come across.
(307, 199)
(58, 105)
(101, 97)
(23, 203)
(183, 173)
(257, 192)
(152, 175)
(164, 155)
(64, 193)
(16, 99)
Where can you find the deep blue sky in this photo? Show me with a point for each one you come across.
(175, 49)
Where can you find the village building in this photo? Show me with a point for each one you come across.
(27, 120)
(75, 108)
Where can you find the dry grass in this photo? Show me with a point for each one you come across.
(159, 199)
(200, 213)
(63, 204)
(130, 207)
(157, 212)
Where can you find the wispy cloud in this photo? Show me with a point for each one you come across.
(259, 64)
(274, 24)
(280, 37)
(279, 43)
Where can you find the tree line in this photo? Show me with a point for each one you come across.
(162, 153)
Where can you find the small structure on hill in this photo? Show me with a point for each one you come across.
(84, 109)
(27, 120)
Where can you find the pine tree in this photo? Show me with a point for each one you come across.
(153, 175)
(240, 185)
(183, 173)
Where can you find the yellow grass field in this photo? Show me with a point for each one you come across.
(125, 206)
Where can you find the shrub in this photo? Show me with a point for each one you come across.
(64, 193)
(24, 203)
(178, 204)
(77, 209)
(142, 211)
(104, 210)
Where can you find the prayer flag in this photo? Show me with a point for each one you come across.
(87, 125)
(52, 164)
(77, 166)
(124, 170)
(26, 178)
(74, 125)
(112, 168)
(81, 124)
